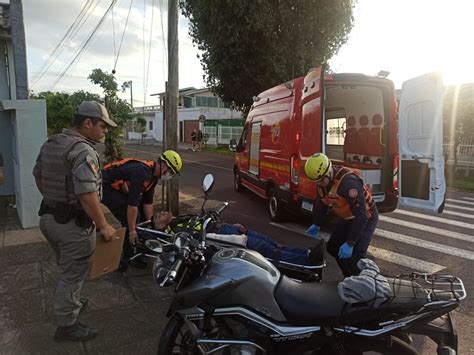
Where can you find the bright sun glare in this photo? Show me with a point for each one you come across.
(411, 38)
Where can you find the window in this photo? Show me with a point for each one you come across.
(206, 101)
(150, 125)
(188, 102)
(335, 131)
(243, 137)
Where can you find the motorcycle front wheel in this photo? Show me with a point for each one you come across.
(177, 338)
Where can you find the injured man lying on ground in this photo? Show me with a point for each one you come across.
(237, 234)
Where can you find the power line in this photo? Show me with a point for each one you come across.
(149, 47)
(113, 33)
(123, 34)
(54, 54)
(164, 53)
(76, 29)
(78, 53)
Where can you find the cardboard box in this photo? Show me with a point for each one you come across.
(107, 255)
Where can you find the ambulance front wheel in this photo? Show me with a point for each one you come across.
(237, 183)
(275, 206)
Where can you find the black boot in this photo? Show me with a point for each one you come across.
(76, 332)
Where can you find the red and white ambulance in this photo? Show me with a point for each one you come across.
(354, 120)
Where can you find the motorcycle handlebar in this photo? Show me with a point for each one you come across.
(223, 207)
(176, 268)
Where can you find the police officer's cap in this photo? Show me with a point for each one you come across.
(95, 110)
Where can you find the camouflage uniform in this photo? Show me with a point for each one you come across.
(68, 165)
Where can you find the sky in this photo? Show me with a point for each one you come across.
(405, 37)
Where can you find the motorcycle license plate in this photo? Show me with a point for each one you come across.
(307, 206)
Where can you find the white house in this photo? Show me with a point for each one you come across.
(198, 109)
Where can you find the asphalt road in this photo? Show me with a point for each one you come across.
(405, 240)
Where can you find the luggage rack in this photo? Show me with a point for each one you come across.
(439, 287)
(442, 284)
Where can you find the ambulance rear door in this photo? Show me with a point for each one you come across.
(421, 161)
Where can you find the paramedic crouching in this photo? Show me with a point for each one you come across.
(342, 190)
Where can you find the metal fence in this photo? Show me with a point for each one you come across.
(464, 154)
(222, 134)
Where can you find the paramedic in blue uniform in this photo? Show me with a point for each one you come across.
(342, 191)
(128, 191)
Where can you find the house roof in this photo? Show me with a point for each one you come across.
(187, 91)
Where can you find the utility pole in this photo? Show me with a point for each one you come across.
(172, 98)
(130, 83)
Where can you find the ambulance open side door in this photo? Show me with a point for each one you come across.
(421, 161)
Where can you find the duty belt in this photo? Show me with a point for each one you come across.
(63, 213)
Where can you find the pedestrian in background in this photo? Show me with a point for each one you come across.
(194, 139)
(199, 139)
(67, 173)
(343, 191)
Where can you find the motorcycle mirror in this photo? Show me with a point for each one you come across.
(154, 245)
(207, 183)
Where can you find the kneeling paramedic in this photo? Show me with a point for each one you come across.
(238, 234)
(341, 190)
(67, 173)
(128, 191)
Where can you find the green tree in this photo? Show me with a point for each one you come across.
(249, 46)
(119, 110)
(60, 107)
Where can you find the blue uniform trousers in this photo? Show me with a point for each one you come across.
(266, 246)
(339, 237)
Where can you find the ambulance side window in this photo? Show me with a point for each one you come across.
(243, 139)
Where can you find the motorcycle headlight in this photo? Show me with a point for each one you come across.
(163, 262)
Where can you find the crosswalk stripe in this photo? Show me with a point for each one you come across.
(425, 228)
(459, 214)
(468, 198)
(459, 207)
(438, 219)
(459, 201)
(404, 260)
(452, 251)
(392, 257)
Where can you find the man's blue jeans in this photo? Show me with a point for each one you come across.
(266, 246)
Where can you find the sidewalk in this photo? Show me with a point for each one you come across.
(128, 308)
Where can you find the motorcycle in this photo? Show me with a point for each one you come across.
(235, 301)
(153, 242)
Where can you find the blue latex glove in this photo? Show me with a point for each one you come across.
(345, 251)
(313, 230)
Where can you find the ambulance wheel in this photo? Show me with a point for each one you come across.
(275, 206)
(237, 183)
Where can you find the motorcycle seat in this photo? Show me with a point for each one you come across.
(305, 304)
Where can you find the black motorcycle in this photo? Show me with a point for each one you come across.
(234, 301)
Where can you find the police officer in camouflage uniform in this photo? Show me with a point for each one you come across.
(67, 173)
